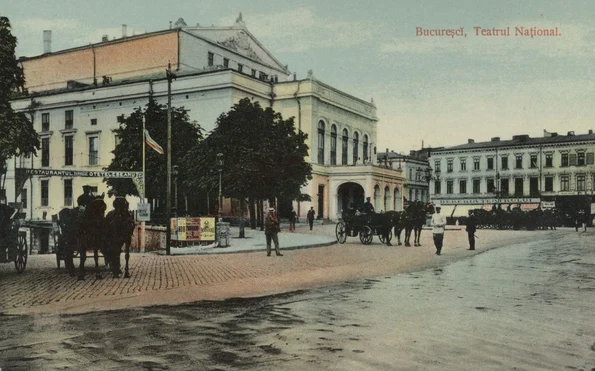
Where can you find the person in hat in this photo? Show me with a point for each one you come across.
(85, 199)
(310, 217)
(471, 227)
(368, 207)
(292, 220)
(438, 223)
(271, 229)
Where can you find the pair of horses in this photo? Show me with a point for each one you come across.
(411, 219)
(91, 229)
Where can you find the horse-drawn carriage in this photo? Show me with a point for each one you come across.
(13, 243)
(364, 225)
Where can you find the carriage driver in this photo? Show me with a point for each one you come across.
(85, 199)
(368, 207)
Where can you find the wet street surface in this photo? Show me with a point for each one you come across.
(526, 306)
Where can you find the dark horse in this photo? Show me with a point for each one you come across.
(119, 225)
(413, 219)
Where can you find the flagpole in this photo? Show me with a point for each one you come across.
(144, 162)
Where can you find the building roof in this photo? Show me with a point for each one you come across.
(521, 140)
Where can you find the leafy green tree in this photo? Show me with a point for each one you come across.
(263, 155)
(17, 135)
(128, 152)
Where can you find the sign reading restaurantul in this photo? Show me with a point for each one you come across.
(481, 201)
(85, 173)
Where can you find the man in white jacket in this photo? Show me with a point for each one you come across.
(438, 224)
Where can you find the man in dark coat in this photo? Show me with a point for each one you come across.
(471, 227)
(310, 217)
(368, 207)
(271, 229)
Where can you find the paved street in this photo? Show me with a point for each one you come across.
(181, 279)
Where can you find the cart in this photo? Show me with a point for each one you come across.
(364, 225)
(13, 242)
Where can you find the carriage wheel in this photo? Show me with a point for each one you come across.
(341, 232)
(366, 236)
(21, 259)
(390, 237)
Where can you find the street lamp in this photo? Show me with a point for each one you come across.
(175, 175)
(220, 168)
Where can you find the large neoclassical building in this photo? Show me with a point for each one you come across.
(76, 96)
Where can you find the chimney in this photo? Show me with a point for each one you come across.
(47, 41)
(570, 133)
(495, 139)
(470, 141)
(123, 30)
(590, 131)
(294, 76)
(104, 39)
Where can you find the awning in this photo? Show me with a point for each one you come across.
(527, 207)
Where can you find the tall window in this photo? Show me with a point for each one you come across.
(211, 59)
(490, 163)
(344, 147)
(491, 186)
(437, 166)
(355, 149)
(365, 148)
(549, 184)
(93, 150)
(240, 67)
(533, 161)
(518, 187)
(462, 186)
(45, 152)
(253, 73)
(68, 150)
(504, 187)
(590, 158)
(476, 186)
(564, 160)
(226, 62)
(24, 198)
(463, 164)
(519, 162)
(565, 183)
(572, 159)
(68, 119)
(580, 182)
(45, 193)
(534, 186)
(333, 144)
(476, 163)
(67, 192)
(45, 122)
(504, 161)
(549, 160)
(580, 159)
(437, 187)
(449, 187)
(93, 122)
(449, 166)
(321, 142)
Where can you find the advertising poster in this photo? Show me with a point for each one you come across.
(207, 229)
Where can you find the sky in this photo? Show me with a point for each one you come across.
(436, 90)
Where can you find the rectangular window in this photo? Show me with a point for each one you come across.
(45, 122)
(565, 183)
(580, 159)
(211, 59)
(68, 150)
(549, 184)
(462, 186)
(463, 164)
(490, 163)
(476, 186)
(24, 196)
(533, 161)
(533, 186)
(518, 187)
(437, 166)
(240, 67)
(45, 193)
(549, 160)
(580, 183)
(572, 159)
(437, 187)
(504, 191)
(519, 162)
(253, 73)
(67, 192)
(449, 166)
(449, 187)
(68, 119)
(225, 62)
(491, 186)
(504, 163)
(564, 162)
(93, 150)
(590, 158)
(93, 122)
(45, 152)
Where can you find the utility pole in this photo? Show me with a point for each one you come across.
(170, 77)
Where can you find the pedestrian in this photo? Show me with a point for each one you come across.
(310, 217)
(368, 207)
(438, 223)
(271, 229)
(292, 220)
(471, 227)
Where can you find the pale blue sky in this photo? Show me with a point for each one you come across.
(437, 89)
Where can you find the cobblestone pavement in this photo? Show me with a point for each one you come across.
(176, 279)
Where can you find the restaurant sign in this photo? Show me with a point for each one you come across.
(481, 201)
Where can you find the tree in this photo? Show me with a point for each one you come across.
(128, 152)
(17, 135)
(263, 155)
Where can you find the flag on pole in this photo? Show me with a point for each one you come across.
(151, 143)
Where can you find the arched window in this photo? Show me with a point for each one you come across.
(333, 145)
(377, 197)
(344, 147)
(386, 198)
(355, 149)
(397, 200)
(321, 142)
(365, 149)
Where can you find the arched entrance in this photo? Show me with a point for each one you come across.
(347, 193)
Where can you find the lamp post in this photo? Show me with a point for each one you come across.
(175, 175)
(220, 168)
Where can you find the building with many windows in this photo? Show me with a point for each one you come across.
(416, 172)
(549, 170)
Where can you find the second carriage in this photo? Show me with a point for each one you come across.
(13, 242)
(364, 225)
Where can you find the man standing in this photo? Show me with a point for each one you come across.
(271, 228)
(310, 217)
(438, 223)
(471, 227)
(292, 220)
(368, 207)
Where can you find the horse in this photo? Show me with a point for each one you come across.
(120, 225)
(414, 218)
(90, 234)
